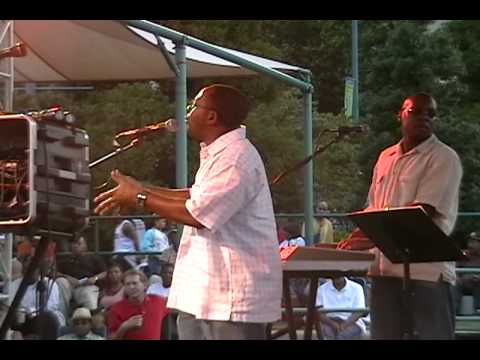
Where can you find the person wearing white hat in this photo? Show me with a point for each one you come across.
(82, 326)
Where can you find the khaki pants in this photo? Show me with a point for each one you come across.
(191, 328)
(84, 296)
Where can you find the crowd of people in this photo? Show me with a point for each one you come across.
(80, 295)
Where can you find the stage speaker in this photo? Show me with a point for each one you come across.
(44, 174)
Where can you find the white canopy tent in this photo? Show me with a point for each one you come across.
(96, 50)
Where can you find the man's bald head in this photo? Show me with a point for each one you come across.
(230, 104)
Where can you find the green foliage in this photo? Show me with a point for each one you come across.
(337, 170)
(466, 34)
(322, 46)
(462, 131)
(276, 129)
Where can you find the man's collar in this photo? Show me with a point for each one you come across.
(134, 302)
(332, 286)
(424, 146)
(223, 141)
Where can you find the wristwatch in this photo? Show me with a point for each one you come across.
(141, 198)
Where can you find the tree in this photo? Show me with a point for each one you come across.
(404, 59)
(276, 129)
(466, 34)
(322, 46)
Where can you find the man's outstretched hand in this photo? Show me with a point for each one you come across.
(357, 240)
(123, 196)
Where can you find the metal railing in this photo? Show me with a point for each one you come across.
(340, 222)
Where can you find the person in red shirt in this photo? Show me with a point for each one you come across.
(139, 316)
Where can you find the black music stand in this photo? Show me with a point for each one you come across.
(407, 235)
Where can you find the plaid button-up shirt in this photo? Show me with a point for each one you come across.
(229, 270)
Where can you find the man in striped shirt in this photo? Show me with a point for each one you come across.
(227, 278)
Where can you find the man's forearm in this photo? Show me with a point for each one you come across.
(119, 334)
(174, 194)
(172, 208)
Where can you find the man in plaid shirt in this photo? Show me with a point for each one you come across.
(227, 278)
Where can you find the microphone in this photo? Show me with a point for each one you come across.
(17, 50)
(53, 113)
(169, 125)
(345, 130)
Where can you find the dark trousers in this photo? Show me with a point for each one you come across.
(433, 309)
(191, 328)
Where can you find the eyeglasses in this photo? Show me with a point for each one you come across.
(81, 321)
(193, 106)
(431, 113)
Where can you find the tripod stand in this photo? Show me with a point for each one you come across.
(40, 252)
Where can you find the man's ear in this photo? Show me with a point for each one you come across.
(212, 117)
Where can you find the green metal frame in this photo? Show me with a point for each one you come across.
(355, 115)
(181, 40)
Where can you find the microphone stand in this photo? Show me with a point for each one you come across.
(318, 150)
(133, 143)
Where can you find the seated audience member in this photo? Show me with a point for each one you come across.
(26, 249)
(78, 274)
(29, 320)
(469, 284)
(138, 316)
(281, 233)
(127, 238)
(113, 289)
(173, 238)
(341, 292)
(155, 240)
(293, 236)
(81, 326)
(322, 226)
(99, 323)
(162, 287)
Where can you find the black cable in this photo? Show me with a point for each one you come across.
(47, 194)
